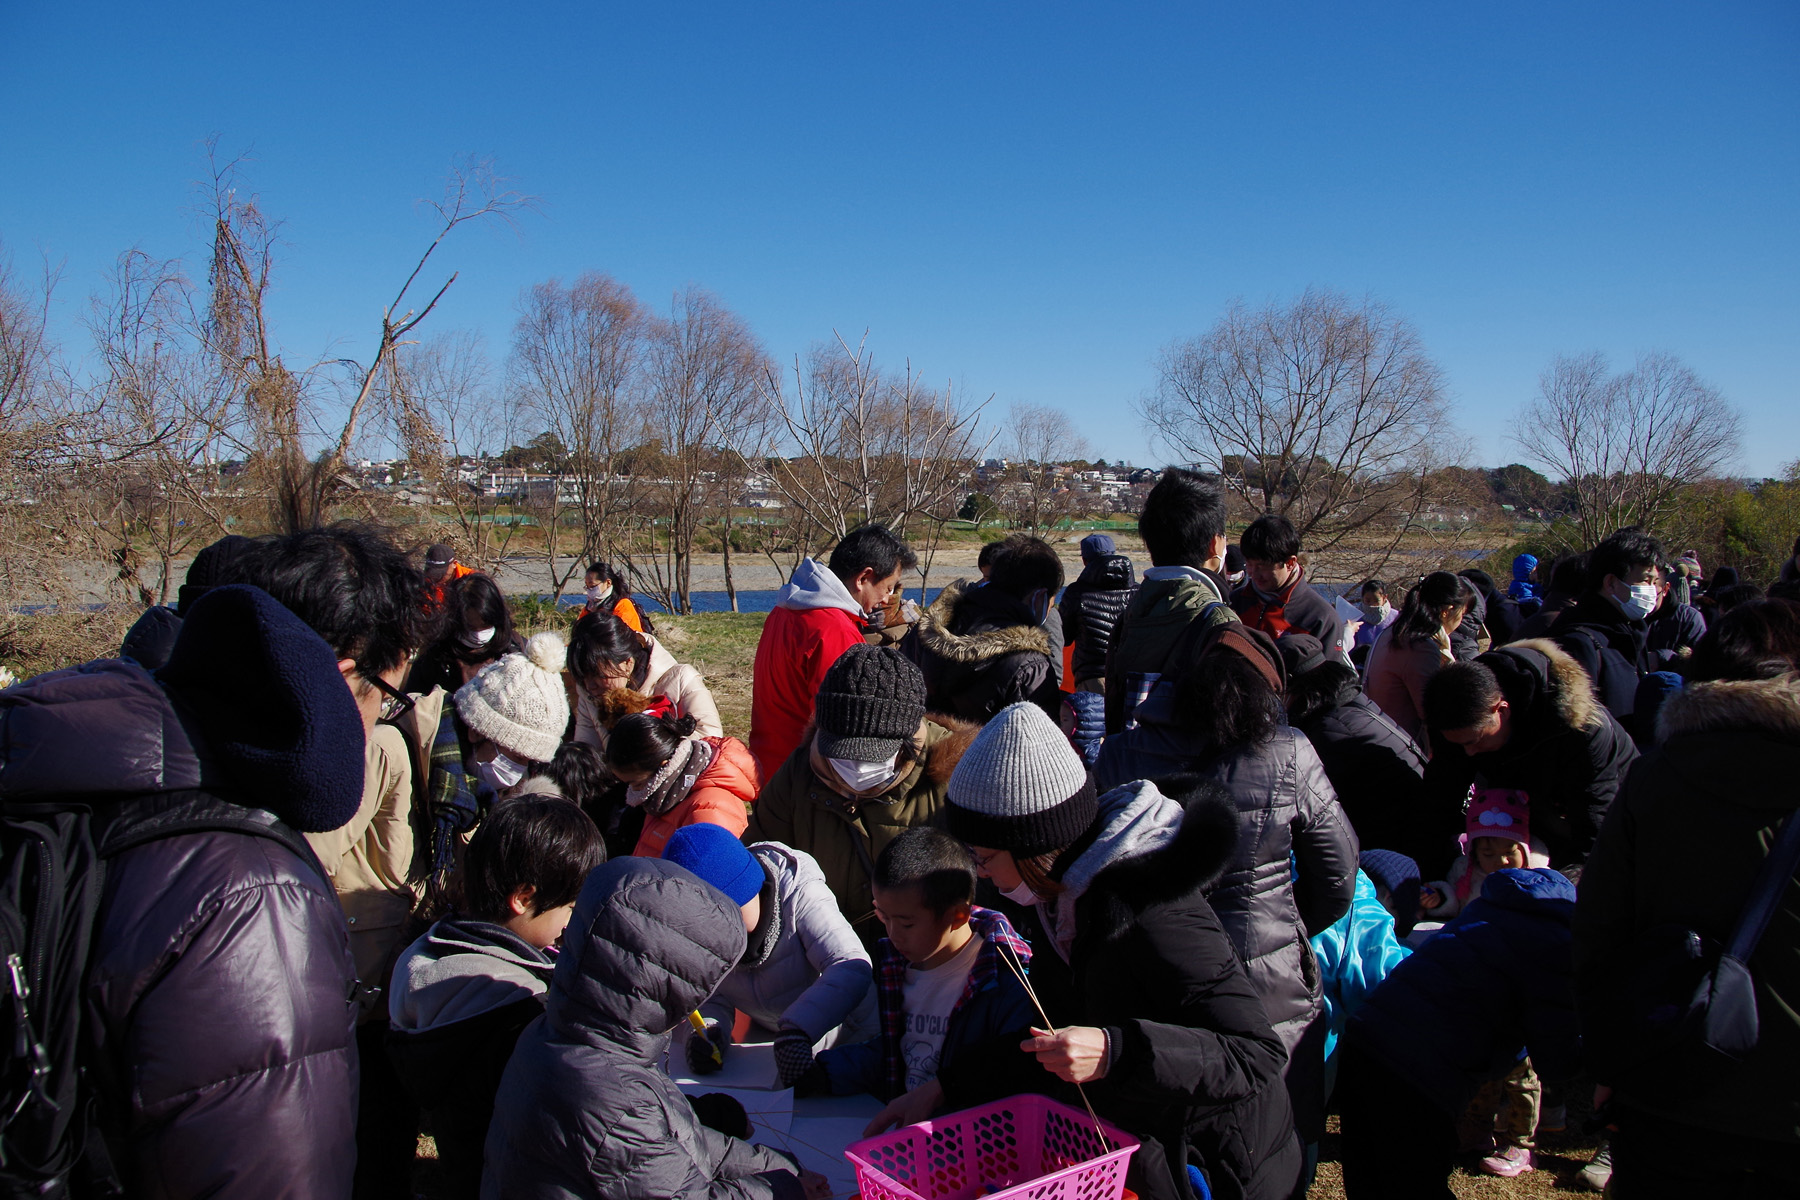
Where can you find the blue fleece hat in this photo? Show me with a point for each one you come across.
(711, 852)
(1096, 545)
(274, 709)
(1523, 566)
(1398, 876)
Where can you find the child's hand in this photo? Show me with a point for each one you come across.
(700, 1058)
(817, 1186)
(1077, 1054)
(1429, 898)
(917, 1105)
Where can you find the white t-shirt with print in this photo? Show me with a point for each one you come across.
(929, 999)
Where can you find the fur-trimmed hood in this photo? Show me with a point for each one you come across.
(1767, 705)
(1192, 851)
(992, 640)
(1539, 678)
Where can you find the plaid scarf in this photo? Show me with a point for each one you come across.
(456, 796)
(890, 984)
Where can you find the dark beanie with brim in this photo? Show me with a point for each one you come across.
(1020, 787)
(272, 708)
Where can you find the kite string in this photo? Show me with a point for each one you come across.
(1006, 957)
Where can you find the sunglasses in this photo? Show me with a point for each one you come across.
(395, 703)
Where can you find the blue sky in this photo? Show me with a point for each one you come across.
(1029, 200)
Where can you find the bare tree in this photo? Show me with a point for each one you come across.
(438, 407)
(575, 356)
(1038, 491)
(1626, 444)
(278, 409)
(1324, 410)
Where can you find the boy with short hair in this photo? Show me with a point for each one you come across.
(949, 979)
(462, 992)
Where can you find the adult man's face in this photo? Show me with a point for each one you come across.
(1268, 576)
(1488, 734)
(1619, 587)
(872, 592)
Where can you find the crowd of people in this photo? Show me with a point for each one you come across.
(1198, 844)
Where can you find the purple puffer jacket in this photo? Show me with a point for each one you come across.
(220, 1011)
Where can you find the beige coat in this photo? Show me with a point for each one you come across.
(665, 677)
(369, 860)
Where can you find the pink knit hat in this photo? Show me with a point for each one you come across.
(1500, 813)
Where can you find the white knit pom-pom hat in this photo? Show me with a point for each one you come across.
(519, 700)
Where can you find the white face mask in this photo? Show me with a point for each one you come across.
(599, 592)
(502, 773)
(1375, 614)
(474, 639)
(861, 776)
(1641, 603)
(1021, 894)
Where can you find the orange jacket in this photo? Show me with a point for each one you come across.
(722, 796)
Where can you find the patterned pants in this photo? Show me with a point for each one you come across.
(1508, 1108)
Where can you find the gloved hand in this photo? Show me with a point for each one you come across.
(700, 1049)
(793, 1054)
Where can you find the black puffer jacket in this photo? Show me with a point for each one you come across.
(1565, 751)
(221, 998)
(1377, 771)
(1091, 608)
(981, 650)
(1195, 1062)
(584, 1108)
(1711, 796)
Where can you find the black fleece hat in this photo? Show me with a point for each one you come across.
(1300, 652)
(869, 705)
(271, 706)
(214, 566)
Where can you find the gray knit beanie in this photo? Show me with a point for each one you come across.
(870, 704)
(519, 702)
(1020, 786)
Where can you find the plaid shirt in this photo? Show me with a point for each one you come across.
(455, 797)
(890, 983)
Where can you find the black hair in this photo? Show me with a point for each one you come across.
(1226, 703)
(1736, 596)
(988, 552)
(1372, 583)
(545, 843)
(1722, 578)
(1459, 695)
(1568, 575)
(1310, 694)
(1271, 538)
(1182, 515)
(578, 772)
(1784, 589)
(1483, 582)
(1420, 619)
(932, 861)
(1621, 554)
(1759, 640)
(602, 638)
(871, 548)
(471, 603)
(1024, 564)
(352, 585)
(643, 742)
(1795, 553)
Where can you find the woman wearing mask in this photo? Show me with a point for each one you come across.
(477, 630)
(607, 653)
(515, 711)
(1413, 649)
(608, 595)
(679, 776)
(872, 766)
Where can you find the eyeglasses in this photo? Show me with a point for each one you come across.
(395, 703)
(982, 860)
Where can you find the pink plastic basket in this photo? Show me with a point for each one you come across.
(1026, 1147)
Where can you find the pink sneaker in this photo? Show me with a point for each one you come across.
(1510, 1162)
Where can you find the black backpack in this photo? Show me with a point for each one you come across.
(53, 859)
(1614, 674)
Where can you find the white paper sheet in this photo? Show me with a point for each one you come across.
(751, 1065)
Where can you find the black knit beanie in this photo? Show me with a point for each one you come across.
(870, 704)
(214, 566)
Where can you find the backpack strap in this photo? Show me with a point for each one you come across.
(1772, 878)
(158, 815)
